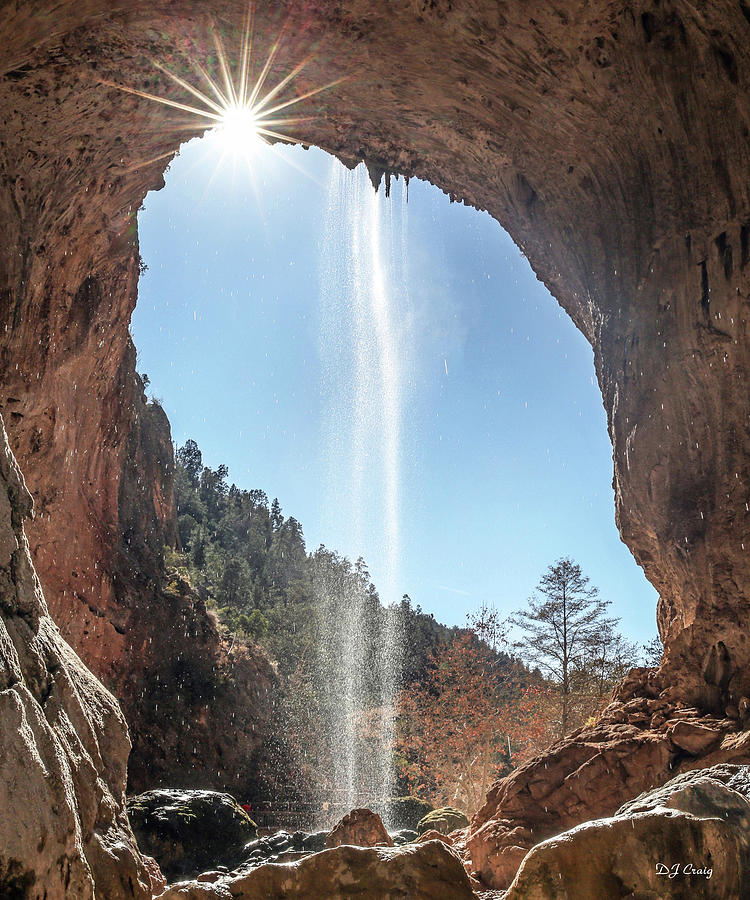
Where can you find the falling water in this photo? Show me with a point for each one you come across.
(364, 353)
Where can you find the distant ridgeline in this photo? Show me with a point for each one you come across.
(249, 563)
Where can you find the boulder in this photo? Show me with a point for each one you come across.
(433, 835)
(315, 841)
(403, 812)
(404, 835)
(430, 871)
(585, 776)
(359, 828)
(188, 832)
(444, 820)
(688, 839)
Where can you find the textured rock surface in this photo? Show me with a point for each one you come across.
(429, 871)
(610, 139)
(688, 839)
(445, 819)
(199, 703)
(360, 828)
(433, 836)
(98, 461)
(590, 774)
(188, 832)
(64, 745)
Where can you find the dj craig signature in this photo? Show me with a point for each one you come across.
(682, 869)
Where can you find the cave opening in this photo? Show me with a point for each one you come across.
(247, 331)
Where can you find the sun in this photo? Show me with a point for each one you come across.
(238, 129)
(235, 105)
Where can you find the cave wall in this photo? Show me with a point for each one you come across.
(609, 138)
(64, 832)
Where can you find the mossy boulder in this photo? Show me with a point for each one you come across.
(444, 820)
(403, 812)
(189, 832)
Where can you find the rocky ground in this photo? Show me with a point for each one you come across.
(688, 839)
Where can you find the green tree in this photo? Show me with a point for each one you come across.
(277, 520)
(235, 588)
(190, 459)
(653, 652)
(562, 627)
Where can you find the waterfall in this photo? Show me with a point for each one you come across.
(364, 351)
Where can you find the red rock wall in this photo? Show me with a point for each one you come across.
(64, 832)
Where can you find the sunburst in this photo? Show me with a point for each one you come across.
(237, 107)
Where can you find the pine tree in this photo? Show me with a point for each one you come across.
(562, 629)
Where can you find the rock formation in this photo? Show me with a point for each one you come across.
(63, 744)
(688, 839)
(610, 139)
(637, 744)
(429, 871)
(445, 819)
(189, 832)
(360, 828)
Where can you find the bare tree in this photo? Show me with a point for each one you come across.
(563, 627)
(609, 658)
(488, 626)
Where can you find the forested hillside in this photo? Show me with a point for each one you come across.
(250, 563)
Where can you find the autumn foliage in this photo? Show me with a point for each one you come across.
(473, 718)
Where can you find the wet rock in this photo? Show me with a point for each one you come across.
(315, 841)
(189, 832)
(430, 871)
(403, 835)
(444, 820)
(281, 840)
(359, 828)
(209, 877)
(689, 838)
(403, 812)
(155, 874)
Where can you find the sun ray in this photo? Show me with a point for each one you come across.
(189, 87)
(247, 43)
(145, 162)
(310, 93)
(221, 97)
(166, 101)
(279, 136)
(231, 101)
(264, 101)
(262, 77)
(230, 92)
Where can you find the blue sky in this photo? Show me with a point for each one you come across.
(505, 460)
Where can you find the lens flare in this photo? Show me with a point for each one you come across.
(235, 105)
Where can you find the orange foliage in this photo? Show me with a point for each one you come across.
(471, 721)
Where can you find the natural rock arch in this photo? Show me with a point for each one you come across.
(611, 140)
